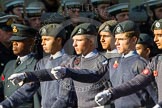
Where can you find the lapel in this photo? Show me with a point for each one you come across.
(25, 64)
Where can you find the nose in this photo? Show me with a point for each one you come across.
(101, 39)
(74, 43)
(155, 38)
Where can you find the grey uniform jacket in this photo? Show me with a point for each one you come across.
(153, 72)
(86, 87)
(9, 88)
(52, 96)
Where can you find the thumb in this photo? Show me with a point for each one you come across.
(12, 77)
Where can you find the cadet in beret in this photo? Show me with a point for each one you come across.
(33, 14)
(100, 9)
(126, 67)
(107, 38)
(151, 73)
(84, 41)
(145, 45)
(6, 53)
(22, 42)
(54, 93)
(119, 12)
(14, 7)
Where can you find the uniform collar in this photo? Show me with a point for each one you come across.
(91, 54)
(24, 58)
(112, 51)
(131, 53)
(57, 54)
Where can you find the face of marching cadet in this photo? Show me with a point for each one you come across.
(107, 40)
(125, 44)
(158, 38)
(51, 44)
(82, 44)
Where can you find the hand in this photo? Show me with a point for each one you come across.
(17, 79)
(157, 106)
(1, 106)
(59, 72)
(103, 97)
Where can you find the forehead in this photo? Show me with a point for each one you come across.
(105, 33)
(120, 35)
(158, 31)
(78, 36)
(43, 37)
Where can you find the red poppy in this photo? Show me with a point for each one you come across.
(155, 73)
(2, 78)
(115, 64)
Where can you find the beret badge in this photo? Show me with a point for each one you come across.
(118, 29)
(43, 31)
(107, 28)
(15, 30)
(80, 31)
(157, 24)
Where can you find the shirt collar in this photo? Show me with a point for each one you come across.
(113, 51)
(24, 58)
(91, 54)
(57, 54)
(131, 53)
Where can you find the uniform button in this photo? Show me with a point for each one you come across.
(8, 86)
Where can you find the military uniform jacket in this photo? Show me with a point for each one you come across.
(86, 74)
(150, 73)
(124, 69)
(54, 93)
(9, 88)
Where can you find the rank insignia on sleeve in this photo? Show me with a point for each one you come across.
(155, 73)
(2, 77)
(115, 64)
(146, 71)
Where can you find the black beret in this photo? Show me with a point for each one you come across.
(125, 26)
(108, 26)
(85, 28)
(55, 30)
(157, 25)
(145, 39)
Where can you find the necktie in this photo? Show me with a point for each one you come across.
(18, 62)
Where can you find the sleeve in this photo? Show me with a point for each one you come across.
(39, 76)
(139, 82)
(21, 95)
(86, 75)
(67, 95)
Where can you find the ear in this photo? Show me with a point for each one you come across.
(148, 51)
(134, 39)
(59, 40)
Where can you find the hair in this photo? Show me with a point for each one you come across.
(93, 38)
(132, 33)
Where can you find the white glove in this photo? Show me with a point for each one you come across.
(103, 97)
(1, 106)
(157, 106)
(17, 79)
(58, 72)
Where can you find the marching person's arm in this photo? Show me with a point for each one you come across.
(20, 96)
(137, 83)
(34, 76)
